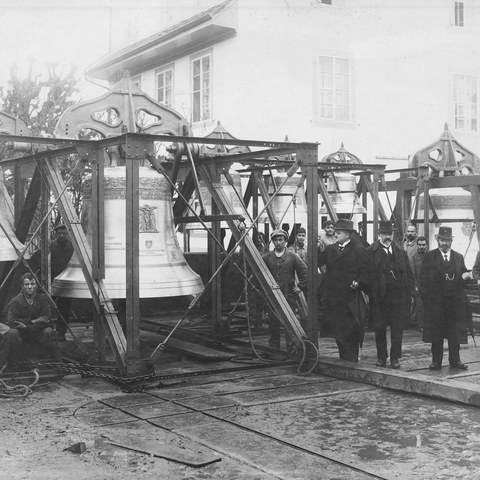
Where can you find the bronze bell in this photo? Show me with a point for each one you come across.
(7, 250)
(163, 269)
(233, 193)
(286, 210)
(342, 190)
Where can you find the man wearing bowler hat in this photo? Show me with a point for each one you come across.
(283, 264)
(441, 287)
(343, 305)
(391, 293)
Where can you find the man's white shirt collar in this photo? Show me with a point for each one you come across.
(447, 254)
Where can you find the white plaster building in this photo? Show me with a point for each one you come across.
(383, 76)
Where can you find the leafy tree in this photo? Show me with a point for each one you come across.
(39, 100)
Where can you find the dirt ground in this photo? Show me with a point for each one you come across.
(37, 429)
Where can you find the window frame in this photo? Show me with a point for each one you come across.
(320, 91)
(162, 71)
(459, 14)
(194, 58)
(460, 102)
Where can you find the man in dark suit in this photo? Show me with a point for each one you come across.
(441, 287)
(391, 293)
(345, 275)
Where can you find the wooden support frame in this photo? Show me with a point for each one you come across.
(101, 301)
(92, 262)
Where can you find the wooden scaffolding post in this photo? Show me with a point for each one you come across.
(308, 158)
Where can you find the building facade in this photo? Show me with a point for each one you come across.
(382, 76)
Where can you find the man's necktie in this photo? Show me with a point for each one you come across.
(340, 248)
(446, 257)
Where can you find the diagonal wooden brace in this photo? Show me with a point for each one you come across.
(277, 300)
(103, 304)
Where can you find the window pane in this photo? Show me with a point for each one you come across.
(325, 64)
(342, 113)
(326, 81)
(196, 107)
(343, 82)
(206, 64)
(334, 88)
(201, 89)
(196, 67)
(341, 98)
(196, 84)
(160, 81)
(342, 66)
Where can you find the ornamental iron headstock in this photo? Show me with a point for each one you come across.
(124, 108)
(341, 156)
(446, 157)
(11, 125)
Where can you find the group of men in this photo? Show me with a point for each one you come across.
(383, 281)
(390, 279)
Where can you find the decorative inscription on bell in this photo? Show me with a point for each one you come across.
(163, 270)
(147, 220)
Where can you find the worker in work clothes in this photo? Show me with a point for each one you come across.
(299, 246)
(61, 251)
(441, 286)
(28, 319)
(391, 292)
(283, 264)
(342, 302)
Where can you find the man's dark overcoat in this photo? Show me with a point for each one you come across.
(430, 287)
(339, 318)
(376, 265)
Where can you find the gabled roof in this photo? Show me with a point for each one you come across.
(196, 32)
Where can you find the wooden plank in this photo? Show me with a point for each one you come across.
(188, 348)
(402, 381)
(193, 456)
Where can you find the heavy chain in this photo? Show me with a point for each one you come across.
(127, 384)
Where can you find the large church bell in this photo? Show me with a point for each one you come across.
(233, 192)
(342, 190)
(163, 269)
(289, 203)
(9, 244)
(342, 185)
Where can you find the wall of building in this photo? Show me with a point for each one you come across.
(403, 57)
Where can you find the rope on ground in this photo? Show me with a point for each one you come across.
(305, 342)
(18, 391)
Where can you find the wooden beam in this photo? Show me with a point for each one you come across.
(278, 301)
(132, 257)
(83, 251)
(309, 162)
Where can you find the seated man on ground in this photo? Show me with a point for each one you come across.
(28, 319)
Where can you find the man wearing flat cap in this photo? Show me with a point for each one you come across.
(391, 293)
(345, 275)
(283, 265)
(441, 287)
